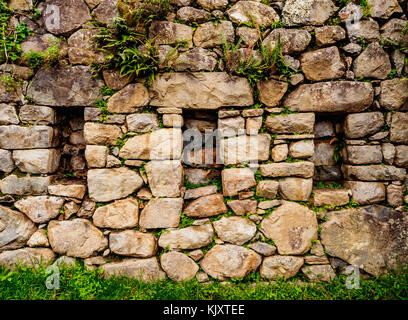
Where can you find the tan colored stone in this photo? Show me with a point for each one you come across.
(129, 99)
(187, 238)
(296, 189)
(242, 207)
(147, 270)
(96, 156)
(277, 267)
(209, 35)
(252, 12)
(178, 266)
(105, 185)
(235, 230)
(121, 214)
(292, 227)
(271, 91)
(200, 90)
(40, 209)
(290, 123)
(76, 238)
(133, 243)
(68, 190)
(101, 134)
(321, 273)
(161, 213)
(237, 179)
(29, 257)
(165, 178)
(230, 261)
(331, 197)
(207, 206)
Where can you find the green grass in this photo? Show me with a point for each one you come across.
(77, 283)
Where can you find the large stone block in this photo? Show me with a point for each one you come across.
(38, 161)
(165, 178)
(200, 90)
(105, 185)
(290, 123)
(65, 87)
(336, 96)
(15, 229)
(25, 185)
(161, 213)
(304, 169)
(161, 144)
(307, 12)
(399, 128)
(36, 137)
(292, 227)
(353, 236)
(373, 173)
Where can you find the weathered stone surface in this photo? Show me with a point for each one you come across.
(73, 190)
(161, 144)
(292, 40)
(323, 64)
(292, 227)
(207, 206)
(319, 273)
(401, 156)
(199, 192)
(187, 238)
(271, 91)
(331, 197)
(362, 154)
(248, 35)
(15, 229)
(290, 123)
(235, 230)
(25, 185)
(147, 270)
(115, 80)
(195, 60)
(209, 35)
(295, 189)
(6, 161)
(199, 176)
(164, 32)
(40, 209)
(29, 257)
(230, 127)
(96, 156)
(307, 12)
(106, 12)
(399, 128)
(83, 49)
(280, 267)
(394, 94)
(252, 12)
(237, 179)
(262, 248)
(165, 177)
(65, 87)
(392, 30)
(121, 214)
(105, 185)
(230, 261)
(395, 195)
(329, 35)
(64, 16)
(301, 149)
(161, 213)
(8, 114)
(133, 243)
(102, 134)
(213, 4)
(20, 4)
(16, 137)
(353, 236)
(244, 148)
(374, 62)
(200, 90)
(75, 238)
(336, 96)
(178, 266)
(38, 239)
(190, 14)
(39, 115)
(373, 173)
(142, 122)
(367, 29)
(359, 125)
(242, 207)
(38, 161)
(267, 189)
(304, 169)
(173, 120)
(384, 9)
(129, 99)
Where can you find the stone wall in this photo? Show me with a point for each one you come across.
(307, 172)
